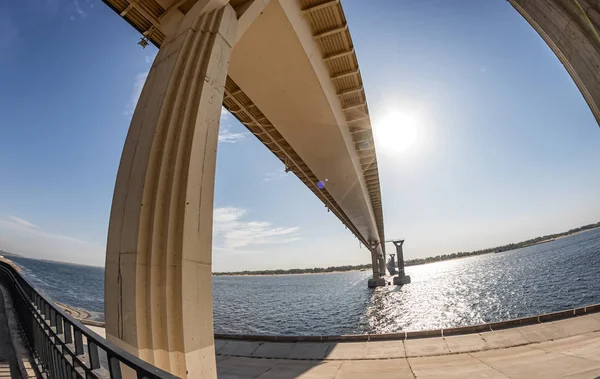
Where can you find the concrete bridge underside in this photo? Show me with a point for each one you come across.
(287, 70)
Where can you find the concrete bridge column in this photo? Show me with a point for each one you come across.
(378, 268)
(381, 263)
(402, 278)
(375, 264)
(158, 302)
(572, 30)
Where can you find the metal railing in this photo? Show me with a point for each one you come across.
(63, 347)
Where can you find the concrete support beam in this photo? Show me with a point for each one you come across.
(381, 256)
(318, 7)
(349, 91)
(378, 266)
(377, 280)
(330, 32)
(344, 74)
(402, 278)
(248, 13)
(158, 302)
(375, 264)
(338, 55)
(399, 254)
(572, 30)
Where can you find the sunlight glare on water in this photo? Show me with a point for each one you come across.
(538, 279)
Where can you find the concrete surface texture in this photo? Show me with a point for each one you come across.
(158, 301)
(572, 30)
(293, 80)
(284, 73)
(567, 348)
(560, 349)
(288, 71)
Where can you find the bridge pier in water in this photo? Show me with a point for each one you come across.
(402, 278)
(378, 267)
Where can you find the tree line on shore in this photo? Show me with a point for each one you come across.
(499, 249)
(315, 270)
(417, 261)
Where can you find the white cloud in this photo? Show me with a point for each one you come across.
(138, 85)
(226, 136)
(23, 237)
(78, 9)
(232, 232)
(23, 222)
(21, 226)
(136, 91)
(149, 58)
(277, 174)
(225, 115)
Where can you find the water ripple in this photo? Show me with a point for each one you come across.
(544, 278)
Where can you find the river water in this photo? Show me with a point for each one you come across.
(538, 279)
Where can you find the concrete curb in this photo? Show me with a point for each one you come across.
(461, 330)
(24, 359)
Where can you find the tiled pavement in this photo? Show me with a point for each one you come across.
(561, 349)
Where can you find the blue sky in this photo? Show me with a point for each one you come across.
(507, 148)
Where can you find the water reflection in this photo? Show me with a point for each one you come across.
(538, 279)
(493, 287)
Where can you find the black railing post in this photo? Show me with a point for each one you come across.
(56, 339)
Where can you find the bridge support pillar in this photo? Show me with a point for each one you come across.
(402, 278)
(158, 301)
(381, 260)
(377, 280)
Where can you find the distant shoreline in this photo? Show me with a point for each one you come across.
(294, 274)
(367, 267)
(420, 261)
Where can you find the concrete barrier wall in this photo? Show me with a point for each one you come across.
(547, 317)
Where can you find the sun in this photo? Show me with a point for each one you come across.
(397, 132)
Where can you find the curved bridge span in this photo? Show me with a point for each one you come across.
(300, 92)
(287, 70)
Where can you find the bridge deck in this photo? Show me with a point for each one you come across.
(300, 92)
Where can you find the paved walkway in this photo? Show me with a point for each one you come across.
(8, 359)
(561, 349)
